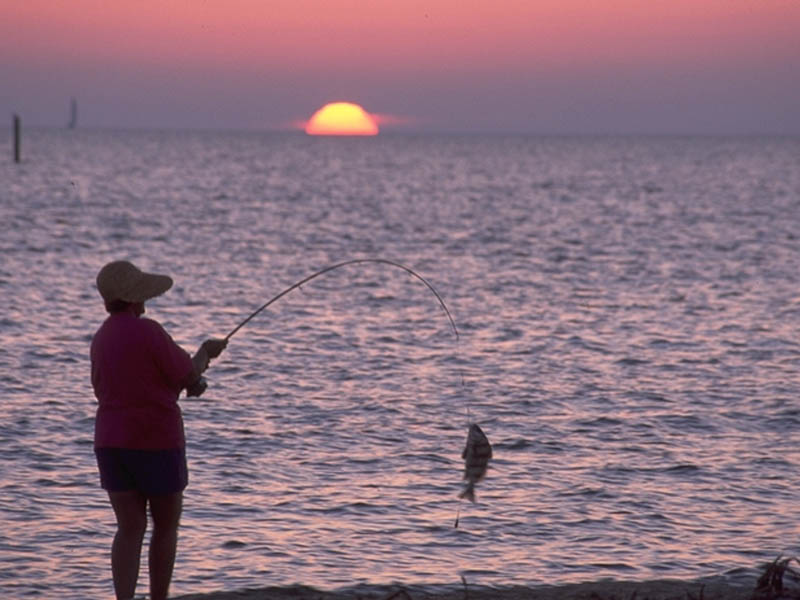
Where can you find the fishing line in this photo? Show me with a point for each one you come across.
(336, 266)
(353, 262)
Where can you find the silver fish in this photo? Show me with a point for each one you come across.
(476, 457)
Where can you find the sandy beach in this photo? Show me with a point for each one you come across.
(601, 590)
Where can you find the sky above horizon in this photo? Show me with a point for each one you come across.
(527, 66)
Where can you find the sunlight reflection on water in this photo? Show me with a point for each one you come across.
(629, 322)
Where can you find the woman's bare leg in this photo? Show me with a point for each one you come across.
(130, 508)
(166, 513)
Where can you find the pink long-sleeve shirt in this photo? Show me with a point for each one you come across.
(137, 373)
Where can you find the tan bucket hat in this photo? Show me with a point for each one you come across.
(122, 280)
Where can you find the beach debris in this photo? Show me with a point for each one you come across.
(476, 455)
(770, 585)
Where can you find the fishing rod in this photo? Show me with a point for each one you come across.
(355, 261)
(336, 266)
(197, 388)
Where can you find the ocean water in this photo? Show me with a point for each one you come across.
(629, 319)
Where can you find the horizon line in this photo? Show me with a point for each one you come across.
(391, 131)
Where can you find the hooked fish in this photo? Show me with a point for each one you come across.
(476, 455)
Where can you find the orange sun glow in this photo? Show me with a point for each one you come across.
(341, 118)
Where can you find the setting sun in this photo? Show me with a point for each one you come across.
(341, 118)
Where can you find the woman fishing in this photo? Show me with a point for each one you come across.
(138, 371)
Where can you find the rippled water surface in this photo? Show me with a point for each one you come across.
(629, 313)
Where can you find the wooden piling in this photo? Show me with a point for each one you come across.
(17, 140)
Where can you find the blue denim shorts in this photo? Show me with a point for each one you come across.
(151, 472)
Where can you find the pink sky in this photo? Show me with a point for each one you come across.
(540, 66)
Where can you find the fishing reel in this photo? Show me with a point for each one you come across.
(197, 388)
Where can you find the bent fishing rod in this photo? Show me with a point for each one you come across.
(336, 266)
(199, 386)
